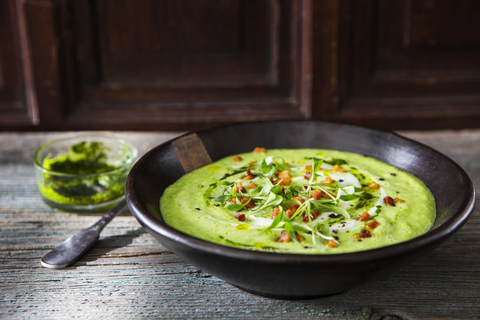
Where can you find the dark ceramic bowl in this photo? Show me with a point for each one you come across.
(299, 275)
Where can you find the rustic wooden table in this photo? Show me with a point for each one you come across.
(129, 274)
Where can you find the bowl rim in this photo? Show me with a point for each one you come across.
(436, 235)
(130, 160)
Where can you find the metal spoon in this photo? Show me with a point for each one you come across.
(77, 245)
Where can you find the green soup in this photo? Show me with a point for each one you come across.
(308, 201)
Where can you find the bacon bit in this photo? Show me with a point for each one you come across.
(372, 224)
(289, 213)
(299, 199)
(249, 205)
(277, 173)
(233, 200)
(308, 167)
(336, 168)
(364, 217)
(328, 180)
(331, 244)
(307, 175)
(284, 237)
(251, 186)
(239, 188)
(365, 234)
(374, 186)
(313, 216)
(389, 201)
(237, 158)
(284, 176)
(240, 217)
(259, 150)
(200, 186)
(275, 212)
(294, 207)
(287, 164)
(251, 163)
(300, 238)
(397, 199)
(249, 175)
(316, 194)
(325, 195)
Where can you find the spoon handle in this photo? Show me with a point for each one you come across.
(77, 245)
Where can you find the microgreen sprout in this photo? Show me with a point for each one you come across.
(269, 193)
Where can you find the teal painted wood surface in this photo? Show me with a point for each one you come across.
(128, 274)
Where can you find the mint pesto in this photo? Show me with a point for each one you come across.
(82, 176)
(308, 201)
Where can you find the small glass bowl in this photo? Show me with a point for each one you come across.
(84, 173)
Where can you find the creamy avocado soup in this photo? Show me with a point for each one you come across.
(308, 201)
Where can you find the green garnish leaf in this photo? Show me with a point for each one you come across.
(316, 164)
(233, 206)
(291, 232)
(232, 192)
(348, 197)
(278, 189)
(272, 201)
(301, 227)
(222, 198)
(276, 221)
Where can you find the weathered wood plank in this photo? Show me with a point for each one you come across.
(129, 274)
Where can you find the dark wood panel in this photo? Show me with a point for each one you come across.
(187, 64)
(398, 68)
(46, 39)
(444, 23)
(17, 101)
(190, 62)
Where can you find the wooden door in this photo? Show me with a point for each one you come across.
(189, 64)
(168, 64)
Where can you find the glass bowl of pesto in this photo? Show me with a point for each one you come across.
(84, 173)
(295, 275)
